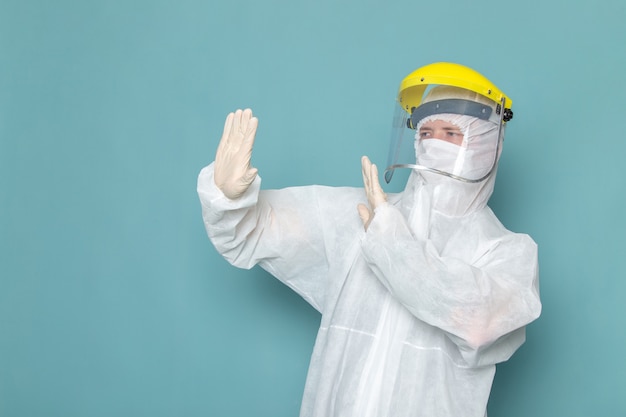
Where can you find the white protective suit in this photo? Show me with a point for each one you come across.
(416, 311)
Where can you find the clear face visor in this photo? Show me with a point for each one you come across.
(455, 133)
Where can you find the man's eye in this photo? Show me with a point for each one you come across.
(455, 134)
(425, 135)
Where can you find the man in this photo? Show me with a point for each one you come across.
(422, 292)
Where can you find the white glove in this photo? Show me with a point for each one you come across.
(233, 173)
(373, 190)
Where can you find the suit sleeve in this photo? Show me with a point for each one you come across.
(482, 304)
(280, 230)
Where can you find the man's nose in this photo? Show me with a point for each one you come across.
(439, 134)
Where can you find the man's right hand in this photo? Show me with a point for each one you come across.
(233, 172)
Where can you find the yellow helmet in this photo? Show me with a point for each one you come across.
(414, 85)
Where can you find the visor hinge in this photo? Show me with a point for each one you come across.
(508, 113)
(408, 120)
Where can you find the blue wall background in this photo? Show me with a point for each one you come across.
(112, 299)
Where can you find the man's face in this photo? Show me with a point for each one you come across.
(442, 130)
